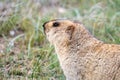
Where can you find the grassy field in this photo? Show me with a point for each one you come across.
(25, 54)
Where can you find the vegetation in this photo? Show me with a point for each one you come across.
(25, 54)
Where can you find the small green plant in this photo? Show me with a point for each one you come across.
(8, 25)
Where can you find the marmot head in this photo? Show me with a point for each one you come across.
(59, 31)
(64, 31)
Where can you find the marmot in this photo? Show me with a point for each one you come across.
(81, 56)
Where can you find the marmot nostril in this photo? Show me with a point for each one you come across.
(44, 25)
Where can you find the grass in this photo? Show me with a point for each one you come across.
(27, 55)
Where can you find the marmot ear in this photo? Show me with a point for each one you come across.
(70, 30)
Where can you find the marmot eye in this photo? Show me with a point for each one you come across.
(56, 24)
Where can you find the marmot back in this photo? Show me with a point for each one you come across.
(81, 56)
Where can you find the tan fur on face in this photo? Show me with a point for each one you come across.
(52, 33)
(81, 56)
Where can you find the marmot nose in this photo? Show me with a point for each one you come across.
(44, 25)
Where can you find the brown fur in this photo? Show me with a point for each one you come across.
(81, 56)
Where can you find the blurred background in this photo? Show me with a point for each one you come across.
(25, 54)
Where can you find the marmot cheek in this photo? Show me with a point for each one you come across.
(65, 41)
